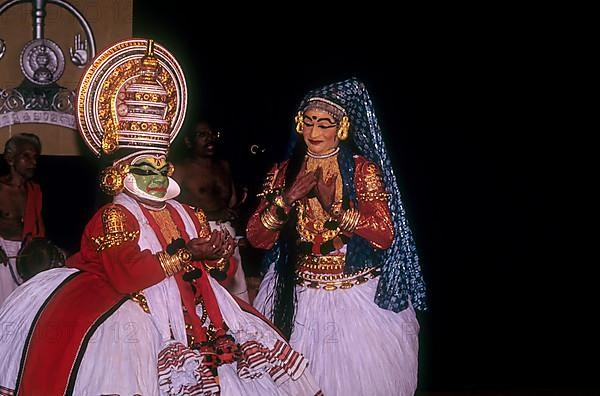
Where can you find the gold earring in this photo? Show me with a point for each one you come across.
(111, 179)
(299, 122)
(342, 133)
(171, 170)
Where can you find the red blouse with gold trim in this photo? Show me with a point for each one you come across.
(374, 220)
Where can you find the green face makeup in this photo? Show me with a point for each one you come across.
(151, 176)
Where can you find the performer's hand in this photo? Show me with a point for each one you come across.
(325, 190)
(3, 257)
(199, 248)
(209, 248)
(228, 246)
(303, 184)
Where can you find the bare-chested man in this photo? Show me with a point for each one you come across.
(20, 206)
(206, 182)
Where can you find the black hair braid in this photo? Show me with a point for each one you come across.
(284, 298)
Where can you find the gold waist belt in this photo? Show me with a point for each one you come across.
(322, 264)
(334, 282)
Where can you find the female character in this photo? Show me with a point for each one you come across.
(344, 275)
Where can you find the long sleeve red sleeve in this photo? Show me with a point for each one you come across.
(375, 223)
(112, 252)
(258, 235)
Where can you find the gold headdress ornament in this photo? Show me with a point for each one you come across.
(133, 96)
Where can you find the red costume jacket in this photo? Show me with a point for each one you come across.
(375, 223)
(112, 268)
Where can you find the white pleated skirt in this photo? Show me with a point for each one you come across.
(353, 346)
(121, 356)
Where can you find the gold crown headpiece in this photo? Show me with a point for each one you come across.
(132, 96)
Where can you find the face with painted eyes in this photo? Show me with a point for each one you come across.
(319, 131)
(151, 175)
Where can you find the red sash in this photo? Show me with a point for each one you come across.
(60, 332)
(33, 223)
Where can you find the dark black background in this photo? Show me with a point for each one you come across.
(473, 110)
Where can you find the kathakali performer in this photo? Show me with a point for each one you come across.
(344, 277)
(141, 309)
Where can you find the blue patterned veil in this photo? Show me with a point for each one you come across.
(401, 280)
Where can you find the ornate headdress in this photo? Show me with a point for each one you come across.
(131, 102)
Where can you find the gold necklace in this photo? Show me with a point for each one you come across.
(311, 215)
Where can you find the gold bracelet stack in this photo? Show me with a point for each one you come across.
(349, 220)
(175, 263)
(270, 221)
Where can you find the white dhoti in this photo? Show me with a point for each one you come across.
(9, 277)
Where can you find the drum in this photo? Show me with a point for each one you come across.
(37, 255)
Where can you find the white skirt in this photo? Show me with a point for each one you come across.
(121, 356)
(353, 346)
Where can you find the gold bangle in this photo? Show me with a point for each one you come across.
(175, 263)
(264, 221)
(344, 220)
(269, 221)
(165, 262)
(350, 220)
(354, 221)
